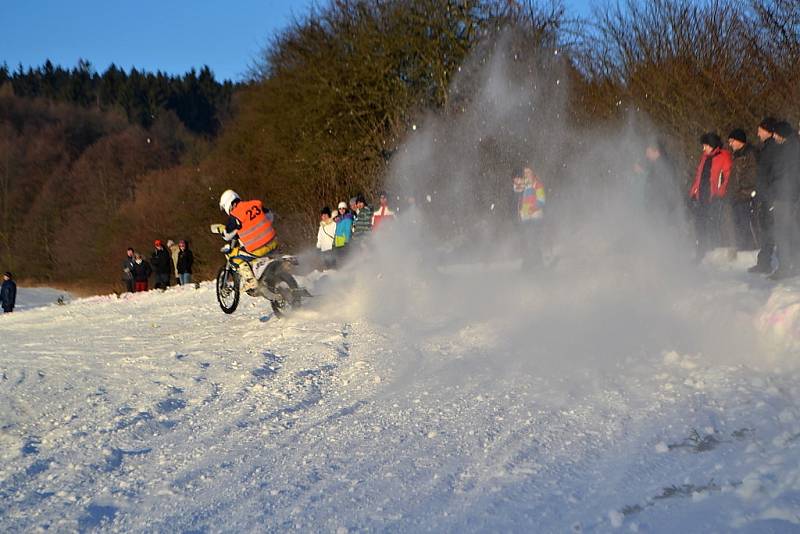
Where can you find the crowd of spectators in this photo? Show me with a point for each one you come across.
(747, 197)
(347, 229)
(167, 266)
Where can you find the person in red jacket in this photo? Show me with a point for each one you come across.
(383, 213)
(708, 192)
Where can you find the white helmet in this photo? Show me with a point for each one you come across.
(227, 199)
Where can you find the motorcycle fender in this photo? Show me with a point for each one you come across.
(275, 267)
(265, 292)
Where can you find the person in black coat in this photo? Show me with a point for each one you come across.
(741, 188)
(185, 261)
(127, 270)
(161, 264)
(786, 189)
(8, 293)
(141, 273)
(765, 179)
(661, 191)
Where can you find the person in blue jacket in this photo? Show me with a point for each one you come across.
(344, 229)
(8, 293)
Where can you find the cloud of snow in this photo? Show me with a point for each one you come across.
(618, 288)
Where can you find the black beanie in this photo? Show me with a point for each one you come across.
(784, 129)
(711, 139)
(768, 124)
(739, 135)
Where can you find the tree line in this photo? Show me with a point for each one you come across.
(200, 101)
(333, 97)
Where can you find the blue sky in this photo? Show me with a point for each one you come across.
(168, 35)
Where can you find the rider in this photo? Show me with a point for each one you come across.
(252, 224)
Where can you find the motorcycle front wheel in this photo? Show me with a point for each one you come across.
(228, 289)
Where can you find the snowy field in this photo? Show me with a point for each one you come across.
(594, 413)
(36, 297)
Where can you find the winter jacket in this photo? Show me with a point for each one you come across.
(362, 224)
(185, 261)
(661, 189)
(742, 182)
(141, 271)
(344, 230)
(173, 254)
(380, 215)
(765, 175)
(127, 268)
(8, 295)
(326, 234)
(161, 261)
(787, 170)
(712, 175)
(531, 198)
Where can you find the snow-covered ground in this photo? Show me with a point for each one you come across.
(159, 413)
(36, 297)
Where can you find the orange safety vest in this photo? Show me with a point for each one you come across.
(256, 230)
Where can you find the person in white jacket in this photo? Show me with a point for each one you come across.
(325, 238)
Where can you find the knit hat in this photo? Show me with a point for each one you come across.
(739, 135)
(768, 124)
(711, 139)
(342, 205)
(784, 129)
(8, 274)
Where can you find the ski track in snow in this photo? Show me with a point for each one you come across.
(157, 412)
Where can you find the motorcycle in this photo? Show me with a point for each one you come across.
(273, 276)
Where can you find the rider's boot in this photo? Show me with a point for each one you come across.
(249, 282)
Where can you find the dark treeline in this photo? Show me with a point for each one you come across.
(197, 98)
(334, 96)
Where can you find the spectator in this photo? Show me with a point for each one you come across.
(411, 212)
(530, 209)
(765, 178)
(161, 265)
(362, 222)
(141, 273)
(383, 213)
(784, 203)
(8, 293)
(325, 238)
(184, 263)
(344, 230)
(174, 249)
(742, 186)
(127, 270)
(708, 191)
(661, 192)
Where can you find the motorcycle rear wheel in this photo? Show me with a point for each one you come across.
(285, 286)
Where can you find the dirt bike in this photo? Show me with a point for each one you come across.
(273, 276)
